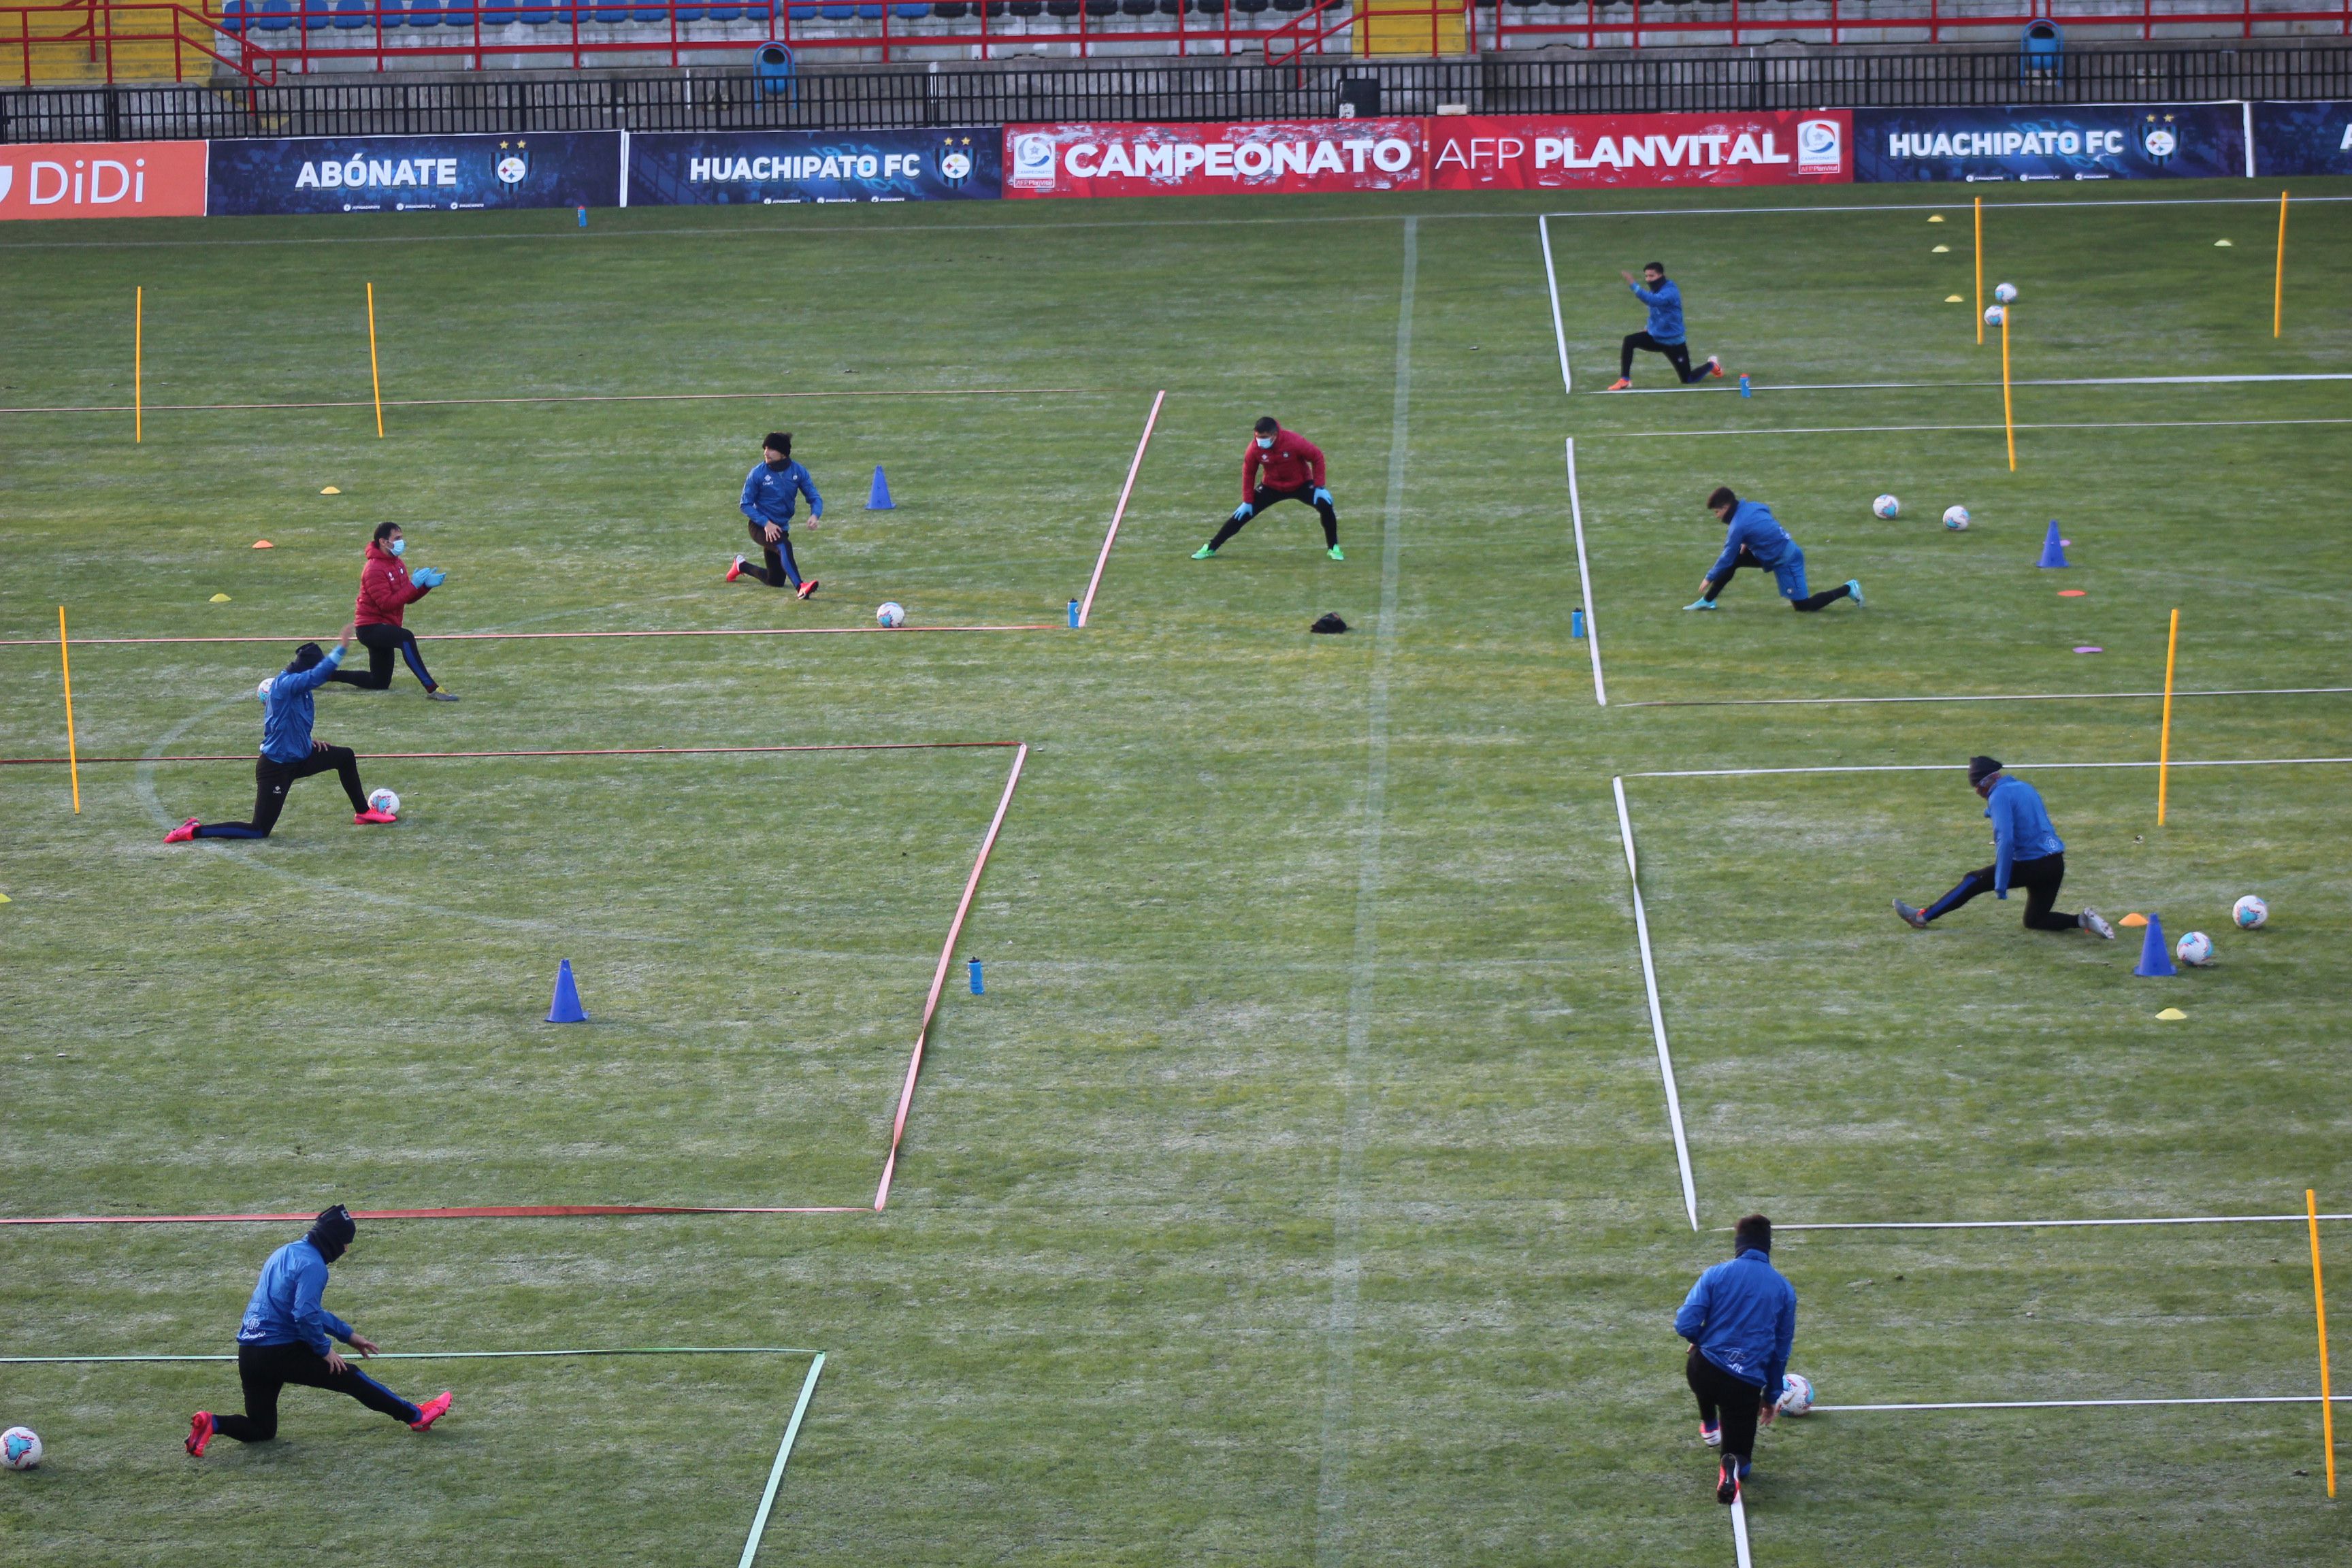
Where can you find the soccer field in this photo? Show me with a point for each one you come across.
(1303, 1188)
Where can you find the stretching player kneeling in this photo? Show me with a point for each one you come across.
(1755, 538)
(2026, 850)
(1279, 465)
(288, 753)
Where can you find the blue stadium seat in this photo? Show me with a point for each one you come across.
(498, 15)
(457, 14)
(537, 16)
(423, 12)
(642, 13)
(232, 17)
(274, 16)
(352, 14)
(837, 13)
(910, 13)
(722, 12)
(317, 14)
(688, 14)
(610, 13)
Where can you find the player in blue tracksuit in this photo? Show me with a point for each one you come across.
(771, 490)
(1665, 334)
(289, 752)
(1754, 537)
(1740, 1319)
(2027, 851)
(284, 1338)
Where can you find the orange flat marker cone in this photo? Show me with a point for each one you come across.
(263, 544)
(2133, 919)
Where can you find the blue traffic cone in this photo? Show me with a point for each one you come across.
(2054, 549)
(880, 500)
(2155, 957)
(566, 1006)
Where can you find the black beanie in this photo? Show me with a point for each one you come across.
(308, 653)
(332, 1233)
(1981, 769)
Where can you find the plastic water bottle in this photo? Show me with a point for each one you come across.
(584, 217)
(975, 976)
(1745, 390)
(1576, 622)
(1074, 615)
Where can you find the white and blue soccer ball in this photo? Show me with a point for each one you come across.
(892, 614)
(20, 1447)
(1956, 517)
(2249, 913)
(385, 801)
(1886, 506)
(2005, 292)
(1995, 315)
(1796, 1394)
(2195, 949)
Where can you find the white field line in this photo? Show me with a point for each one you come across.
(1356, 1101)
(776, 1472)
(2087, 1404)
(1957, 767)
(1552, 284)
(1755, 385)
(1900, 429)
(1944, 206)
(1979, 697)
(1584, 578)
(1739, 1530)
(1657, 1016)
(2054, 1223)
(1087, 609)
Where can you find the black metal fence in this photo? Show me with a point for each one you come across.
(1177, 90)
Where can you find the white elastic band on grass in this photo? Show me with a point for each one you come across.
(1584, 578)
(1552, 284)
(1755, 385)
(1944, 206)
(1739, 1529)
(2054, 1224)
(1657, 1016)
(776, 1472)
(1900, 429)
(1958, 767)
(2086, 1404)
(1977, 697)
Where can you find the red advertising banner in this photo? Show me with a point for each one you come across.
(102, 179)
(1781, 147)
(1128, 160)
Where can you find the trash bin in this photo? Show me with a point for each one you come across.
(2044, 46)
(772, 65)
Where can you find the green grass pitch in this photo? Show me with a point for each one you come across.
(1308, 959)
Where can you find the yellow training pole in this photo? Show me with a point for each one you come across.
(73, 755)
(2007, 422)
(374, 379)
(139, 366)
(2164, 746)
(1980, 205)
(2319, 1302)
(2278, 279)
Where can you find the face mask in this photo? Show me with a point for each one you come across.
(1266, 442)
(398, 547)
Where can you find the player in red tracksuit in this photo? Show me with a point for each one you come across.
(1281, 465)
(386, 590)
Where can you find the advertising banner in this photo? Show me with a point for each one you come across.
(2303, 138)
(1124, 160)
(416, 173)
(102, 179)
(2096, 141)
(689, 168)
(1552, 153)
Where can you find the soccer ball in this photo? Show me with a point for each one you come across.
(1995, 315)
(1956, 517)
(384, 801)
(2004, 292)
(2195, 950)
(2250, 911)
(1886, 506)
(1796, 1394)
(20, 1447)
(892, 613)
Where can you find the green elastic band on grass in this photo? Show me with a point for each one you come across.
(783, 1454)
(455, 1355)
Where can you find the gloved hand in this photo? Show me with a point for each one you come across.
(428, 577)
(1322, 496)
(1243, 512)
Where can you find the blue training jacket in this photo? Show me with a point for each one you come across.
(1753, 525)
(768, 493)
(1742, 1315)
(1665, 310)
(287, 712)
(2020, 828)
(285, 1309)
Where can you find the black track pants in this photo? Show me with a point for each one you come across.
(266, 1369)
(382, 642)
(2040, 879)
(1677, 356)
(782, 570)
(1266, 496)
(1724, 1398)
(270, 782)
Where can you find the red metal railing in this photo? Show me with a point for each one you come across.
(98, 34)
(1826, 21)
(1311, 32)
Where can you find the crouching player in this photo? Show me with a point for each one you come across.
(289, 752)
(2026, 850)
(283, 1339)
(1754, 537)
(769, 492)
(1279, 465)
(1740, 1319)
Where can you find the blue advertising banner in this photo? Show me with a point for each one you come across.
(415, 173)
(2095, 142)
(2303, 138)
(687, 168)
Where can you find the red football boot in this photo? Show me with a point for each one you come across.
(432, 1410)
(200, 1432)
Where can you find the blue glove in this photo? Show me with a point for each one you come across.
(1322, 496)
(1243, 512)
(428, 577)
